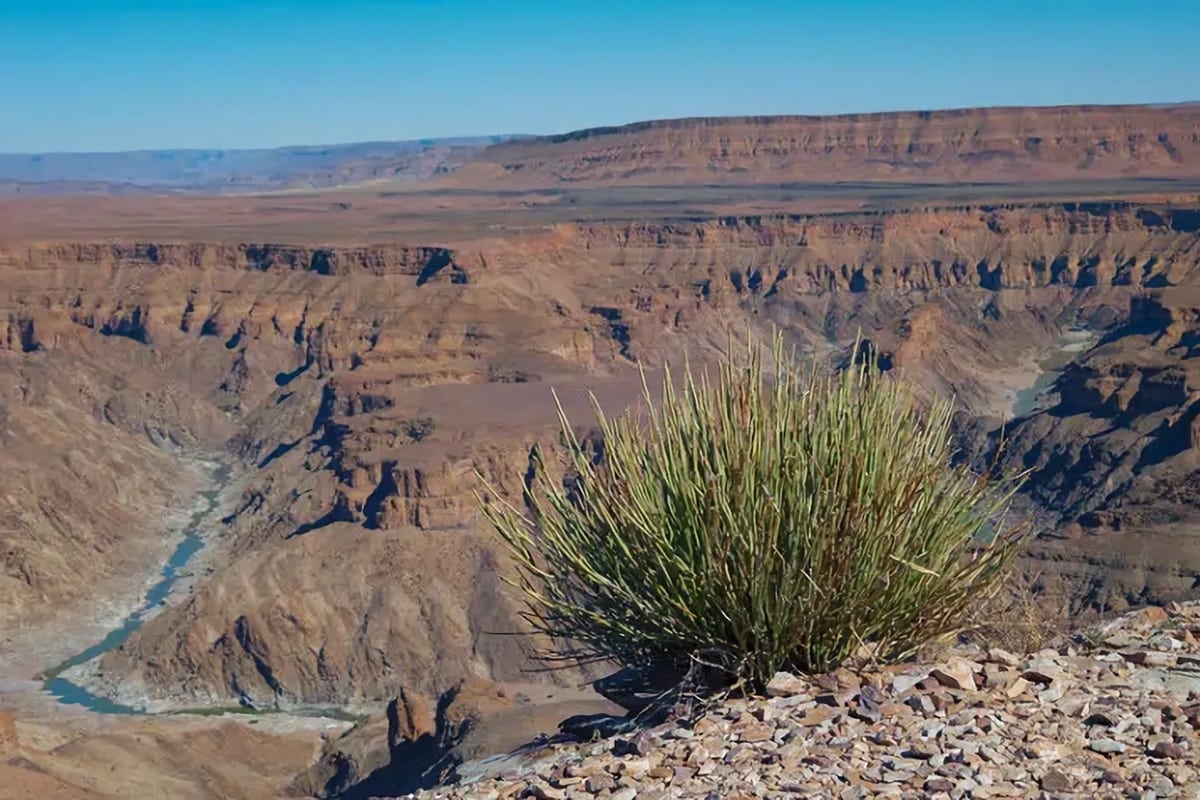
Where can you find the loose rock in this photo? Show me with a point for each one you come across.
(1055, 724)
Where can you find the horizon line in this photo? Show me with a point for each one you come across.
(504, 137)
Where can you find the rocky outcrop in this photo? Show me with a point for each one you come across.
(81, 478)
(77, 757)
(424, 263)
(413, 744)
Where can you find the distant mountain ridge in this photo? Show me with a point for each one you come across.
(1000, 144)
(952, 146)
(217, 170)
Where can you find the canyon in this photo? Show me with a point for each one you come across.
(358, 369)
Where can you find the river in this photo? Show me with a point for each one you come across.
(192, 543)
(1033, 397)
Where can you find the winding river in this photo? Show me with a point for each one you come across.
(192, 543)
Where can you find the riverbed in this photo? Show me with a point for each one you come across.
(67, 683)
(1038, 393)
(62, 688)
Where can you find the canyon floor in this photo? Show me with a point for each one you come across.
(335, 624)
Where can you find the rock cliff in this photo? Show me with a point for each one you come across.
(1114, 460)
(963, 145)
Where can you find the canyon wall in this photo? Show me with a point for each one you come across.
(362, 390)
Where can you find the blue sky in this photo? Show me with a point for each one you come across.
(116, 75)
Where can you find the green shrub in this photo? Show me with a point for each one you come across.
(779, 518)
(418, 429)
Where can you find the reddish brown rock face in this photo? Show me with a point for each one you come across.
(993, 144)
(8, 733)
(363, 388)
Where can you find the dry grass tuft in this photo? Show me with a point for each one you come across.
(775, 518)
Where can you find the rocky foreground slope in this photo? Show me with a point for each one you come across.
(1116, 714)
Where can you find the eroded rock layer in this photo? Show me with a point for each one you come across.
(362, 390)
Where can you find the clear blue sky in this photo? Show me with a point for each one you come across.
(115, 75)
